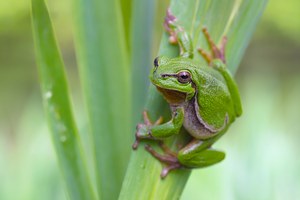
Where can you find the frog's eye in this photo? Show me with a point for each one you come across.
(184, 77)
(156, 62)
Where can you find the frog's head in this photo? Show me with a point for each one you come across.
(173, 77)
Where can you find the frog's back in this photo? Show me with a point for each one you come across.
(214, 101)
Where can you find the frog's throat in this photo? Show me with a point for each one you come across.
(173, 97)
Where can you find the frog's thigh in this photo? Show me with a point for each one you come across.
(196, 155)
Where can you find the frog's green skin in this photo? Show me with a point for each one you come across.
(205, 102)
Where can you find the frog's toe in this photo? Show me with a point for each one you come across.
(169, 25)
(205, 55)
(170, 19)
(166, 158)
(146, 118)
(166, 170)
(135, 144)
(170, 160)
(141, 132)
(158, 121)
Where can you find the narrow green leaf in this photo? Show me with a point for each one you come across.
(141, 56)
(228, 17)
(57, 105)
(126, 7)
(104, 72)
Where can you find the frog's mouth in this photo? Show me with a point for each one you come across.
(172, 96)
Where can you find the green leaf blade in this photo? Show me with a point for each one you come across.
(57, 105)
(104, 73)
(141, 53)
(241, 30)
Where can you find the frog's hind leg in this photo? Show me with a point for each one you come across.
(198, 154)
(169, 158)
(216, 52)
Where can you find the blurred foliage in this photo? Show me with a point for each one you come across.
(282, 18)
(57, 106)
(262, 147)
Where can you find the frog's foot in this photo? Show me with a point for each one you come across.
(216, 52)
(170, 26)
(169, 158)
(143, 129)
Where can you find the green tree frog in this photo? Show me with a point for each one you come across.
(204, 99)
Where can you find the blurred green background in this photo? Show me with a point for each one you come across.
(262, 147)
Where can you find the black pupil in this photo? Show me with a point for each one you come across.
(184, 75)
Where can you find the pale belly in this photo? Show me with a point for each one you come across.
(192, 124)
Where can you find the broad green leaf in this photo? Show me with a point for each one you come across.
(57, 106)
(104, 73)
(234, 18)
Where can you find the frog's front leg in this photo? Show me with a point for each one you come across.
(158, 131)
